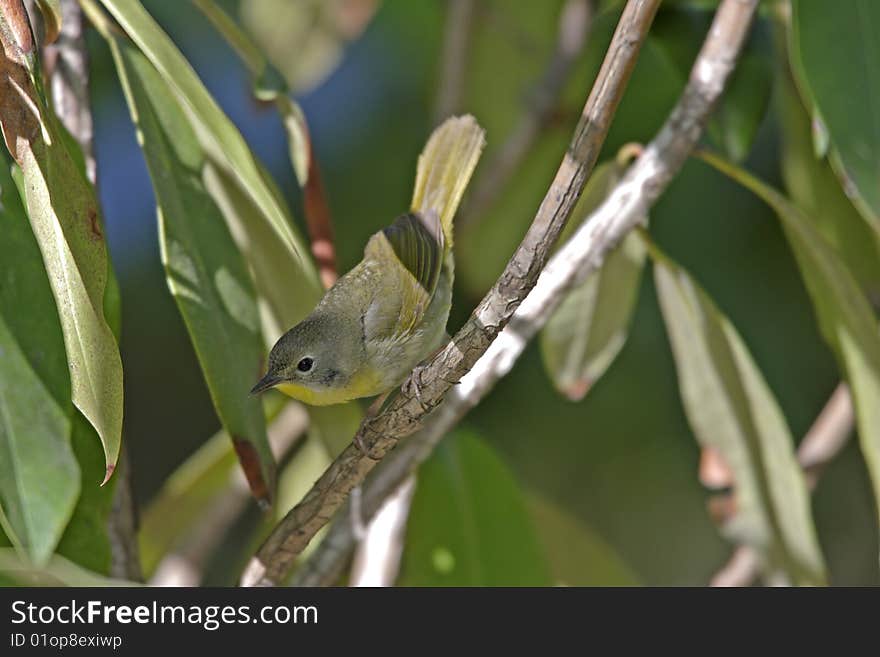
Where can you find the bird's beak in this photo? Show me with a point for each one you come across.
(266, 382)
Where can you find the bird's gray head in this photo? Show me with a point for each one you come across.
(314, 354)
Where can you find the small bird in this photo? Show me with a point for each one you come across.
(389, 312)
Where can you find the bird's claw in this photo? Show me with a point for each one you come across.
(362, 446)
(415, 386)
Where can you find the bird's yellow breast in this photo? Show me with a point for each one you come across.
(363, 383)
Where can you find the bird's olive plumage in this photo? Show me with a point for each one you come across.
(388, 313)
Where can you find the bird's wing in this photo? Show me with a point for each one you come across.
(414, 249)
(411, 252)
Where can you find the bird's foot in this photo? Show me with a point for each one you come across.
(372, 411)
(361, 445)
(415, 386)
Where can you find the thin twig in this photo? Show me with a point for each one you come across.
(582, 254)
(574, 26)
(456, 38)
(319, 220)
(428, 385)
(827, 436)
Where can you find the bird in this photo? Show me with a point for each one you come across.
(389, 312)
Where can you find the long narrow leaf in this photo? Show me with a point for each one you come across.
(285, 298)
(64, 216)
(269, 85)
(731, 408)
(39, 476)
(203, 267)
(584, 335)
(57, 572)
(844, 314)
(229, 145)
(835, 52)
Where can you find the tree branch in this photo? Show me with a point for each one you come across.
(826, 437)
(574, 25)
(318, 218)
(581, 255)
(378, 554)
(403, 416)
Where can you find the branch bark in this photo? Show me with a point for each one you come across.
(582, 254)
(825, 439)
(428, 384)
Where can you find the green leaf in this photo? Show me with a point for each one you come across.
(736, 122)
(61, 204)
(468, 524)
(285, 298)
(590, 326)
(576, 554)
(86, 539)
(269, 86)
(65, 219)
(835, 52)
(57, 572)
(223, 140)
(39, 476)
(204, 269)
(731, 408)
(844, 314)
(814, 188)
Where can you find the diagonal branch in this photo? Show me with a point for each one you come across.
(581, 255)
(429, 383)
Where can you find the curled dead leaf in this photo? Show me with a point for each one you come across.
(19, 113)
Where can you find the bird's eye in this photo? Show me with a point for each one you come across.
(304, 365)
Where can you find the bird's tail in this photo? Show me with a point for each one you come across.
(445, 167)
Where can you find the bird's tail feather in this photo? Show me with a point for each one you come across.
(445, 168)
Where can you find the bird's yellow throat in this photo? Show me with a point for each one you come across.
(362, 384)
